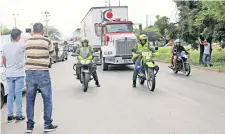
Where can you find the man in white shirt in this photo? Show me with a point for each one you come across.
(206, 54)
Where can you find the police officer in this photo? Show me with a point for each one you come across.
(79, 51)
(142, 45)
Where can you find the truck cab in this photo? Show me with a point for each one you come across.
(117, 40)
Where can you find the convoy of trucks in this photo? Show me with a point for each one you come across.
(110, 34)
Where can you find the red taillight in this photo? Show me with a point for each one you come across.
(107, 39)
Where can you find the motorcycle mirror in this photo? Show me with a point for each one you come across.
(133, 50)
(74, 54)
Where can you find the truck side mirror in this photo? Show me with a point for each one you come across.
(156, 48)
(140, 27)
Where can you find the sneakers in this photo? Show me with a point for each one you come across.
(29, 129)
(50, 128)
(46, 129)
(11, 119)
(21, 118)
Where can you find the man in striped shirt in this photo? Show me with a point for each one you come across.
(38, 50)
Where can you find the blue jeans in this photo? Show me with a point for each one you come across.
(206, 59)
(15, 87)
(135, 73)
(38, 79)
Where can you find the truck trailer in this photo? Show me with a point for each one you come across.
(110, 34)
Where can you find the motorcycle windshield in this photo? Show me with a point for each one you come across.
(84, 52)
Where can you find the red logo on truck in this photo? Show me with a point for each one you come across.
(107, 15)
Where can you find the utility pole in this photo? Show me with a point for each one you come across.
(46, 15)
(109, 3)
(106, 3)
(150, 21)
(15, 15)
(119, 3)
(146, 20)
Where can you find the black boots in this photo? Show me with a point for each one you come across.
(134, 83)
(97, 83)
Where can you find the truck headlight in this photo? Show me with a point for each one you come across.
(108, 52)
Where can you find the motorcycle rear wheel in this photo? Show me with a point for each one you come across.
(141, 80)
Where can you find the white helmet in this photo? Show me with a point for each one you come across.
(177, 42)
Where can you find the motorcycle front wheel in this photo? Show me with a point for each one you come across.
(151, 80)
(85, 81)
(187, 69)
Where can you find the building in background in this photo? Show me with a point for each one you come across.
(77, 36)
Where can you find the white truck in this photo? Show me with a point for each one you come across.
(110, 34)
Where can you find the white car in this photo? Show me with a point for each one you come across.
(4, 88)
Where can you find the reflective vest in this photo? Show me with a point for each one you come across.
(144, 47)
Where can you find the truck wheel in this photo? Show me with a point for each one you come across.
(104, 65)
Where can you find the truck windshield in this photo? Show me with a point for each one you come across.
(119, 28)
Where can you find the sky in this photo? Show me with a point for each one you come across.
(67, 14)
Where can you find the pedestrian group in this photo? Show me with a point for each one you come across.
(29, 63)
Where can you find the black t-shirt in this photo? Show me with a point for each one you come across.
(201, 46)
(178, 49)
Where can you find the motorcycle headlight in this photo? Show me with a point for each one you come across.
(82, 61)
(88, 61)
(148, 57)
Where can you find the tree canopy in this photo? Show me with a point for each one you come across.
(194, 18)
(4, 30)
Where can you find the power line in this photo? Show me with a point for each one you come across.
(46, 15)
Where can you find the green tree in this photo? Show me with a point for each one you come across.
(54, 33)
(4, 30)
(201, 17)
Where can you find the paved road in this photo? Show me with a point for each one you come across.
(180, 105)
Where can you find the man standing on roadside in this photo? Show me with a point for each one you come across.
(38, 49)
(13, 60)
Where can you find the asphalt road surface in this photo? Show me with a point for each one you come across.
(179, 105)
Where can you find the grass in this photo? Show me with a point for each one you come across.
(218, 57)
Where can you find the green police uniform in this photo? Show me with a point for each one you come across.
(139, 48)
(80, 50)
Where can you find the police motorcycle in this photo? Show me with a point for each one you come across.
(85, 63)
(147, 69)
(182, 64)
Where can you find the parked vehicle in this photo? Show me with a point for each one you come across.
(3, 82)
(182, 64)
(110, 33)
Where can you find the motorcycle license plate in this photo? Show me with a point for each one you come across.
(146, 54)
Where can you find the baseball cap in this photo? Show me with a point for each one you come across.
(15, 33)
